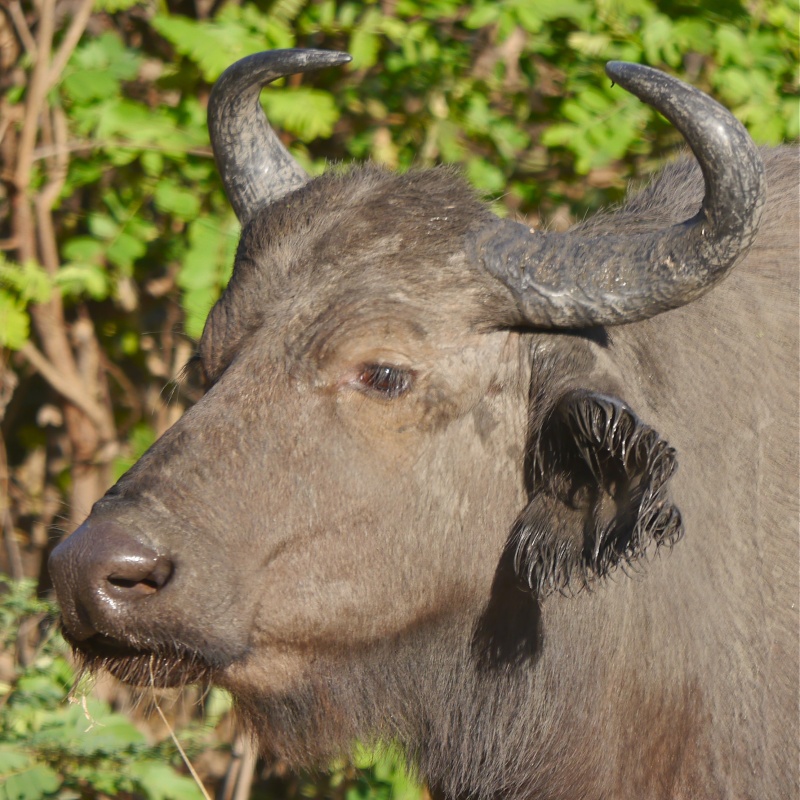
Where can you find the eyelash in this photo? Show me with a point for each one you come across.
(193, 370)
(386, 381)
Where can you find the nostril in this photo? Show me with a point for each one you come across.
(136, 576)
(146, 586)
(100, 572)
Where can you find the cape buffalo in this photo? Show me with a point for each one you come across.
(431, 495)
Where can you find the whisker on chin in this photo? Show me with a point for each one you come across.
(145, 668)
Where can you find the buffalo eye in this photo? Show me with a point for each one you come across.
(384, 380)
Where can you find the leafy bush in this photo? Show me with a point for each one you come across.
(49, 748)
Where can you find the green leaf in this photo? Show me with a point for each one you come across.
(129, 344)
(76, 280)
(656, 37)
(41, 688)
(112, 6)
(175, 199)
(364, 42)
(594, 45)
(694, 34)
(731, 46)
(483, 14)
(124, 250)
(12, 760)
(485, 176)
(14, 323)
(106, 778)
(196, 305)
(86, 85)
(103, 226)
(33, 783)
(82, 172)
(449, 139)
(206, 268)
(546, 10)
(201, 263)
(160, 782)
(213, 45)
(385, 770)
(217, 703)
(28, 281)
(107, 53)
(113, 734)
(307, 113)
(152, 162)
(121, 120)
(83, 248)
(364, 47)
(286, 10)
(97, 68)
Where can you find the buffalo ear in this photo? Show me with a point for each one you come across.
(598, 495)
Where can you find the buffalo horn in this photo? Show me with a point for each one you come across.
(256, 168)
(572, 281)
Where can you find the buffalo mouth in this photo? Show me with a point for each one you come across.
(161, 667)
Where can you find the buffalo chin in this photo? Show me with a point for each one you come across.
(160, 667)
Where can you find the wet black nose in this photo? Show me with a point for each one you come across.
(101, 572)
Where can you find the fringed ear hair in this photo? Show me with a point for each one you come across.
(598, 495)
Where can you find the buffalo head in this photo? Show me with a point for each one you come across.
(412, 412)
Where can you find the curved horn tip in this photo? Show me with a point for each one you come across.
(729, 159)
(621, 71)
(278, 63)
(572, 280)
(651, 85)
(255, 166)
(299, 57)
(658, 89)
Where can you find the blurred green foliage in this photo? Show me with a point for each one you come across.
(52, 749)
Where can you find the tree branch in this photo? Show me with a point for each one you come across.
(69, 42)
(47, 197)
(36, 96)
(68, 389)
(130, 393)
(78, 146)
(23, 31)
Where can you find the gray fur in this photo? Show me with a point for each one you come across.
(344, 563)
